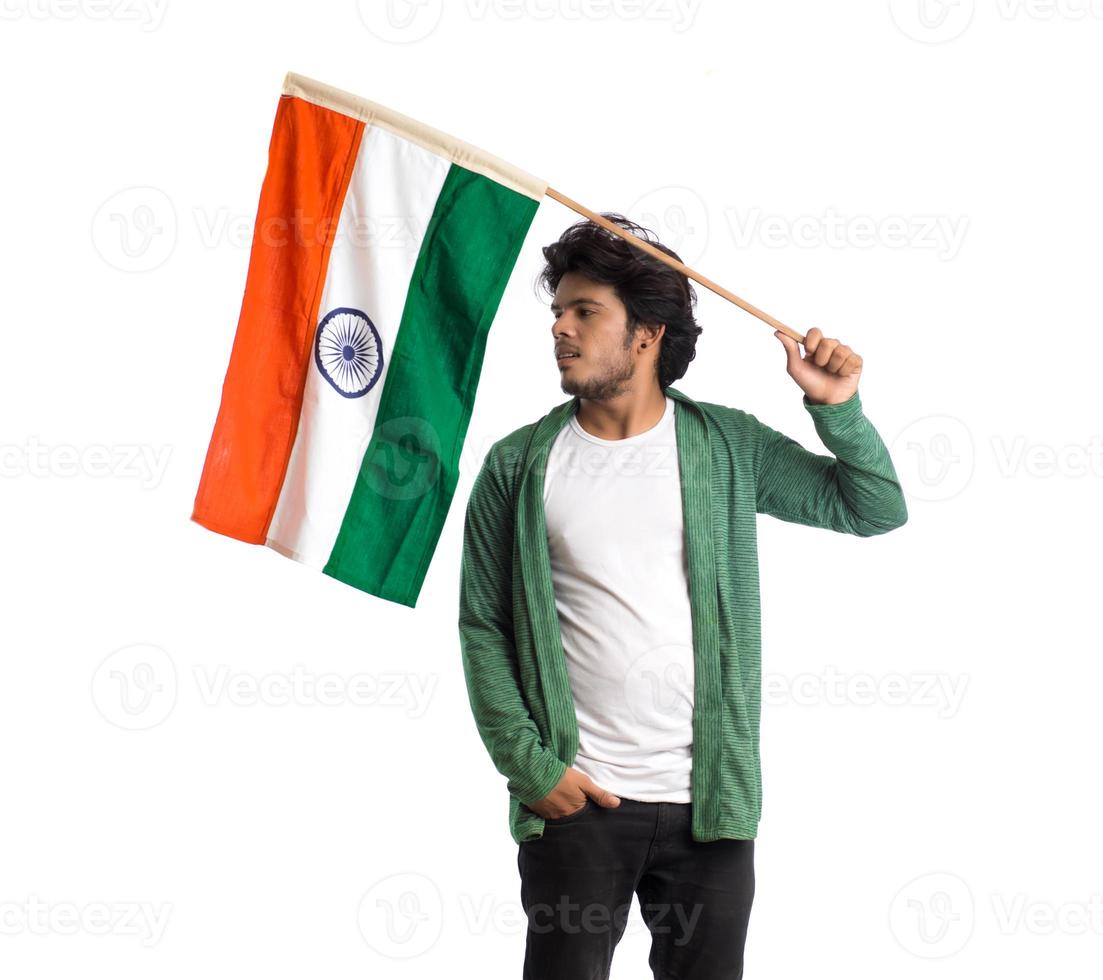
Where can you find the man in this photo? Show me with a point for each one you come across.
(609, 612)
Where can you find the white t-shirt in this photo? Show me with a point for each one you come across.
(613, 510)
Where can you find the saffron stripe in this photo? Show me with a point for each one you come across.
(310, 160)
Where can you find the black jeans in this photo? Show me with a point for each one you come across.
(577, 883)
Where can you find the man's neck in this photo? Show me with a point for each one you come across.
(624, 416)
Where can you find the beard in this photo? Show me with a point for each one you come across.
(609, 378)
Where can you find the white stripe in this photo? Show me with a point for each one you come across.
(390, 199)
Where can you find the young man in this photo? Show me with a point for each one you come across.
(609, 612)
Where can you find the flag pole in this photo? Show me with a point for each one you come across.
(669, 260)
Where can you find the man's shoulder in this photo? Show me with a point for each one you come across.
(516, 439)
(725, 417)
(506, 453)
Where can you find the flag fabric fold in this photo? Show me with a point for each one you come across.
(379, 256)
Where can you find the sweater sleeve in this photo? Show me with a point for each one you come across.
(856, 492)
(490, 666)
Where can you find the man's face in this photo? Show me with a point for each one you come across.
(591, 322)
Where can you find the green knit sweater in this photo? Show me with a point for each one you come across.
(732, 467)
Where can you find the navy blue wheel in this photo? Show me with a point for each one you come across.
(348, 351)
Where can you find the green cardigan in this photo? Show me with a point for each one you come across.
(732, 467)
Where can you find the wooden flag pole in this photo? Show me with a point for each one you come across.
(681, 267)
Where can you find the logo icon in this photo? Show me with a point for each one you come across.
(933, 915)
(135, 687)
(932, 21)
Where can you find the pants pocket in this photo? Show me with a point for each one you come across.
(567, 818)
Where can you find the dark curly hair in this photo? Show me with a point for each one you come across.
(652, 291)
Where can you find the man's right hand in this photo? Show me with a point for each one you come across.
(569, 796)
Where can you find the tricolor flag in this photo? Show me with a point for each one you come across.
(379, 255)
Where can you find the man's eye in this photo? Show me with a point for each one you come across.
(586, 312)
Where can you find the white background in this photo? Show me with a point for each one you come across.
(920, 181)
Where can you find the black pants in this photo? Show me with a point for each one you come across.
(577, 883)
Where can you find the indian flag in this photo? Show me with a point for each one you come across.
(379, 256)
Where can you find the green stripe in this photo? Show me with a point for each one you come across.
(411, 466)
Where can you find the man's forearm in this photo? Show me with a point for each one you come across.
(857, 491)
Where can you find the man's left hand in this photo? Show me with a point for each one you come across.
(828, 372)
